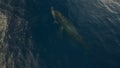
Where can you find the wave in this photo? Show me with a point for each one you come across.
(16, 43)
(99, 20)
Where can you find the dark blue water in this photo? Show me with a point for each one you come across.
(96, 21)
(97, 25)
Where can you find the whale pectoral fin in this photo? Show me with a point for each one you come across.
(55, 22)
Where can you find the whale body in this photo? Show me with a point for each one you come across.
(66, 25)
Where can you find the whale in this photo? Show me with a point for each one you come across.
(67, 25)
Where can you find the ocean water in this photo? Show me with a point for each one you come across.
(29, 38)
